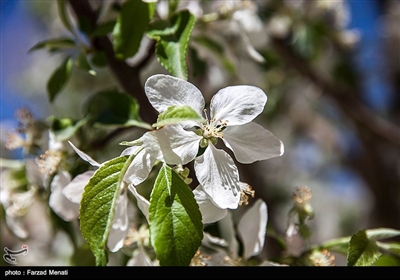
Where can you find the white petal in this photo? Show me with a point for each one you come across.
(129, 151)
(177, 145)
(74, 190)
(140, 259)
(164, 91)
(209, 211)
(55, 145)
(84, 156)
(227, 232)
(218, 174)
(62, 206)
(16, 225)
(251, 142)
(237, 104)
(210, 241)
(119, 227)
(140, 167)
(142, 202)
(34, 176)
(252, 227)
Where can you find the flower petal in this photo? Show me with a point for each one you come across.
(177, 145)
(84, 156)
(140, 258)
(62, 206)
(227, 231)
(74, 190)
(219, 176)
(140, 167)
(209, 211)
(237, 104)
(142, 202)
(129, 151)
(164, 91)
(251, 142)
(252, 228)
(119, 227)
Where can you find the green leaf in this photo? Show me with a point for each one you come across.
(65, 128)
(112, 107)
(218, 50)
(83, 256)
(176, 114)
(63, 14)
(98, 204)
(393, 247)
(128, 31)
(176, 229)
(172, 42)
(82, 63)
(362, 250)
(386, 260)
(99, 59)
(382, 233)
(55, 44)
(198, 65)
(104, 29)
(59, 78)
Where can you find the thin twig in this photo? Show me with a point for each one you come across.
(345, 98)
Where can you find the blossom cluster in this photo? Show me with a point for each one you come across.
(229, 118)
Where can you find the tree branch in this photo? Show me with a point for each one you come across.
(346, 99)
(127, 76)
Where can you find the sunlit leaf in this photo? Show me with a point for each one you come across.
(98, 205)
(128, 31)
(382, 233)
(392, 247)
(386, 260)
(176, 229)
(176, 114)
(172, 42)
(362, 250)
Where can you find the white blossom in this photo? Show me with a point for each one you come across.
(232, 110)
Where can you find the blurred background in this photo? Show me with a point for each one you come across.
(331, 71)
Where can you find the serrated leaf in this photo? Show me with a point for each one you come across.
(98, 204)
(382, 233)
(172, 42)
(176, 114)
(54, 44)
(128, 31)
(362, 250)
(59, 78)
(176, 229)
